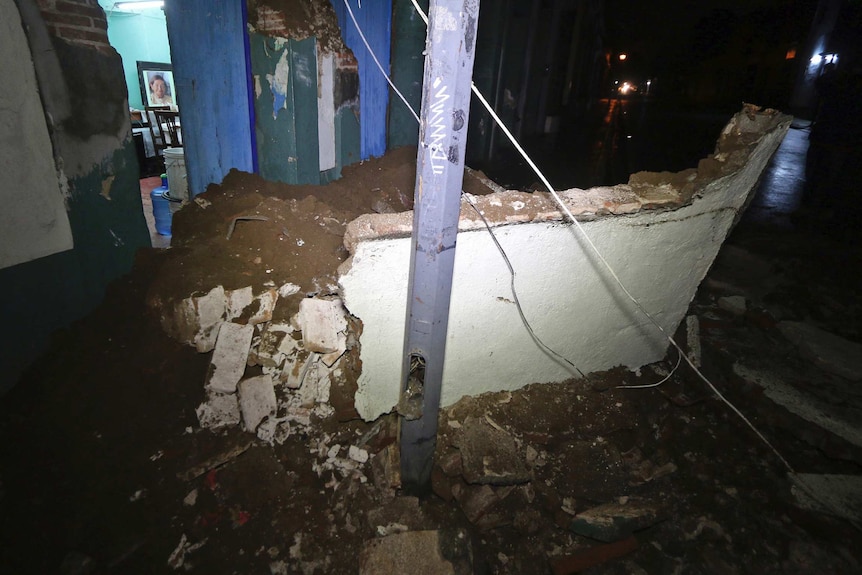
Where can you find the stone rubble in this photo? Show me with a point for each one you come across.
(299, 360)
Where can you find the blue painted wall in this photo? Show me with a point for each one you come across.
(375, 20)
(209, 44)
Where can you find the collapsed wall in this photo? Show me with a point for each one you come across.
(300, 292)
(659, 233)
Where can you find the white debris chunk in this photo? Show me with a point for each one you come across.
(256, 401)
(196, 320)
(266, 304)
(237, 301)
(323, 325)
(275, 344)
(288, 290)
(357, 454)
(692, 327)
(177, 558)
(190, 499)
(274, 430)
(295, 371)
(229, 358)
(219, 410)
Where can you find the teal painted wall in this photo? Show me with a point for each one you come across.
(408, 61)
(284, 73)
(83, 92)
(137, 36)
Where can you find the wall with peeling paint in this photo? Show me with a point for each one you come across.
(85, 110)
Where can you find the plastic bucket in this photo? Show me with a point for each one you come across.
(175, 166)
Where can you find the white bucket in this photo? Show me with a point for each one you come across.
(175, 167)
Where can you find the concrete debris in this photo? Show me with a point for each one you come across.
(386, 470)
(615, 521)
(692, 330)
(274, 430)
(196, 320)
(489, 455)
(443, 552)
(266, 304)
(316, 383)
(229, 357)
(403, 511)
(830, 352)
(323, 324)
(475, 501)
(838, 495)
(256, 401)
(237, 301)
(734, 304)
(276, 344)
(190, 499)
(288, 290)
(357, 454)
(177, 559)
(219, 410)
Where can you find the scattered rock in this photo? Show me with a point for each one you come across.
(229, 358)
(489, 455)
(444, 552)
(219, 410)
(614, 521)
(323, 324)
(401, 510)
(692, 328)
(256, 401)
(474, 500)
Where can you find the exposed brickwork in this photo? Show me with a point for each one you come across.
(270, 22)
(80, 22)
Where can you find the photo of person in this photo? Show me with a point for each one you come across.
(160, 90)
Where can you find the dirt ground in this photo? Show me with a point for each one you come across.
(105, 469)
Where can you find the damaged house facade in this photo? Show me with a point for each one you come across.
(296, 100)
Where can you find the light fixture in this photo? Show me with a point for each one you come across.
(140, 5)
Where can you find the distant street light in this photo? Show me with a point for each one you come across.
(623, 57)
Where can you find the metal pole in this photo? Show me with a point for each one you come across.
(439, 174)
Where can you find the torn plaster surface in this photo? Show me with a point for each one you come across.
(33, 220)
(571, 300)
(278, 84)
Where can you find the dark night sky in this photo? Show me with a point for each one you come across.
(656, 31)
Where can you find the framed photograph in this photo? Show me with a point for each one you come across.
(157, 84)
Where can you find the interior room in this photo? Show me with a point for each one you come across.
(138, 32)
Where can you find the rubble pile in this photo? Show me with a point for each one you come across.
(263, 374)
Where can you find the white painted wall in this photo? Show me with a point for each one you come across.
(33, 219)
(569, 298)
